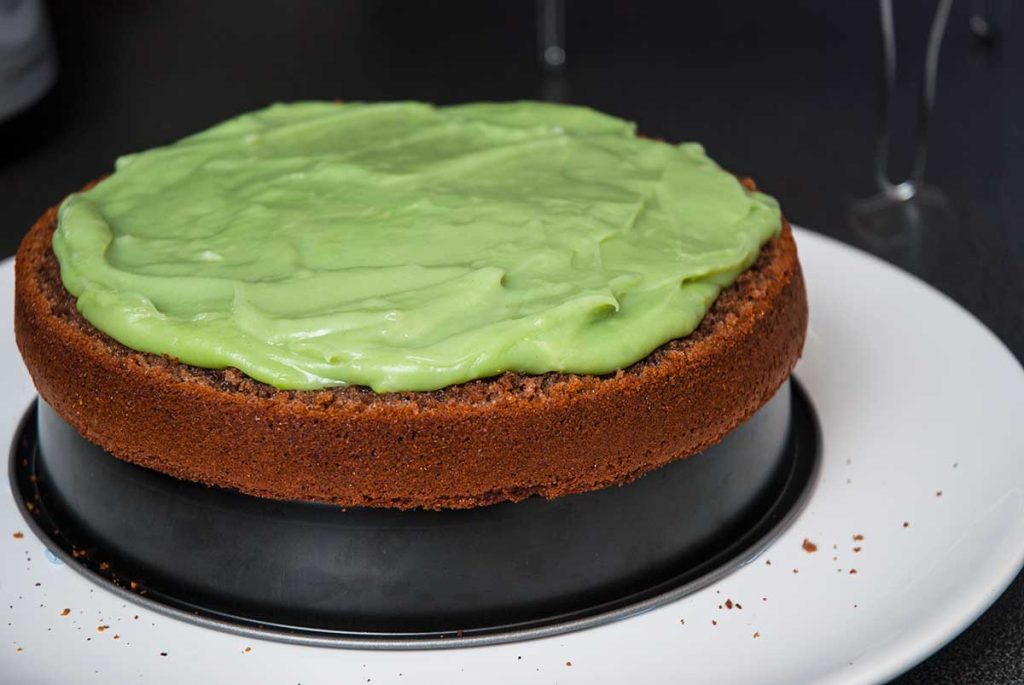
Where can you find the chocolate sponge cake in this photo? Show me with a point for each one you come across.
(477, 443)
(502, 437)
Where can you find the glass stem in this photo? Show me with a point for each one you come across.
(906, 189)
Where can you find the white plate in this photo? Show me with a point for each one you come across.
(914, 397)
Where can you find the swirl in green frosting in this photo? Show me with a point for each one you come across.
(403, 246)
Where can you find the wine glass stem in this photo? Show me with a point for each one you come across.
(906, 189)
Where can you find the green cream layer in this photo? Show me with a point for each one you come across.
(404, 246)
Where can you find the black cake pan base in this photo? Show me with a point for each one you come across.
(382, 578)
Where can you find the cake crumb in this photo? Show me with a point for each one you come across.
(682, 622)
(65, 612)
(163, 653)
(756, 635)
(938, 493)
(858, 537)
(728, 604)
(906, 524)
(104, 566)
(18, 535)
(714, 622)
(767, 562)
(101, 628)
(247, 650)
(116, 636)
(739, 606)
(809, 546)
(796, 570)
(853, 571)
(19, 649)
(568, 663)
(856, 549)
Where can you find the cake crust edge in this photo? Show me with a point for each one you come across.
(479, 443)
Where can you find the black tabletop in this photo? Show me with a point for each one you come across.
(788, 93)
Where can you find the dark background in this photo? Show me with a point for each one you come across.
(786, 92)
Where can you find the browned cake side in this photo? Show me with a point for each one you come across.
(482, 442)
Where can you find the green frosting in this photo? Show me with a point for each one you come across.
(403, 246)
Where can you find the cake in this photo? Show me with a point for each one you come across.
(546, 387)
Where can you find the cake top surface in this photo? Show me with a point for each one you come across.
(404, 246)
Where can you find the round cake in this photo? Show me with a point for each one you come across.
(550, 368)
